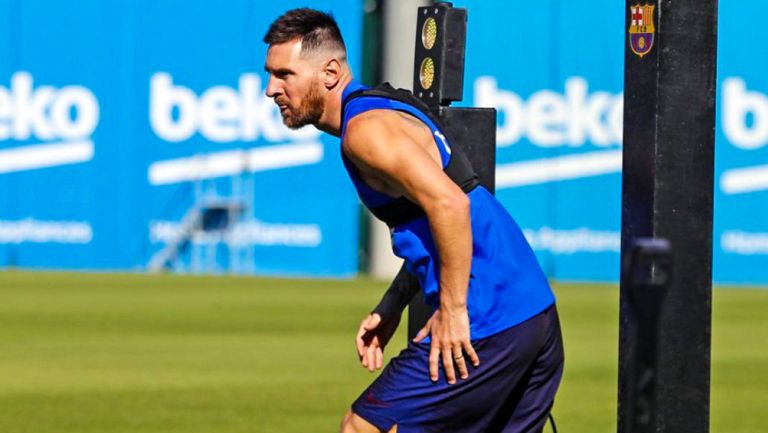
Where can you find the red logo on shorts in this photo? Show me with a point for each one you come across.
(371, 399)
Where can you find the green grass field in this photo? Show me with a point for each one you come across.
(133, 353)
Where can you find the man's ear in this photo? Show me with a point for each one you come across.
(331, 73)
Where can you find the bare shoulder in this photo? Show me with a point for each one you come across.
(371, 124)
(399, 135)
(370, 132)
(380, 126)
(397, 153)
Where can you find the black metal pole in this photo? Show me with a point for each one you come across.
(669, 120)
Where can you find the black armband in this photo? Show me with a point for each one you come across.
(403, 288)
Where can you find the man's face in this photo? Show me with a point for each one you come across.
(294, 84)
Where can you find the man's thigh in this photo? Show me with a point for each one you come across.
(403, 394)
(353, 423)
(529, 408)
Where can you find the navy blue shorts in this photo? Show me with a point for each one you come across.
(512, 390)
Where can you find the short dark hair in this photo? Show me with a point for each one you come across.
(315, 29)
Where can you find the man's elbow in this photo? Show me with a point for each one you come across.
(455, 205)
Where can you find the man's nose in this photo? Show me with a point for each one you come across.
(272, 87)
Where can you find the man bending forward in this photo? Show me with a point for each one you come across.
(490, 358)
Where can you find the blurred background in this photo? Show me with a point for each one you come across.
(135, 139)
(135, 135)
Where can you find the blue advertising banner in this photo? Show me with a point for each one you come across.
(136, 134)
(133, 131)
(554, 71)
(741, 189)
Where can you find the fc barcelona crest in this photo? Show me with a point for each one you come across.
(641, 29)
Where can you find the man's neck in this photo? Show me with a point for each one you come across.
(330, 121)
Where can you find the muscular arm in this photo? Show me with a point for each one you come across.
(389, 154)
(375, 143)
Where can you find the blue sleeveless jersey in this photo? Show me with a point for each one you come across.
(506, 283)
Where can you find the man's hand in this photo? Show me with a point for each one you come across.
(450, 341)
(372, 337)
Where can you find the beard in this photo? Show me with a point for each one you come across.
(308, 112)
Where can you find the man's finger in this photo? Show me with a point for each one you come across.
(360, 340)
(434, 356)
(368, 359)
(461, 364)
(450, 374)
(371, 354)
(470, 351)
(379, 358)
(360, 349)
(360, 343)
(422, 334)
